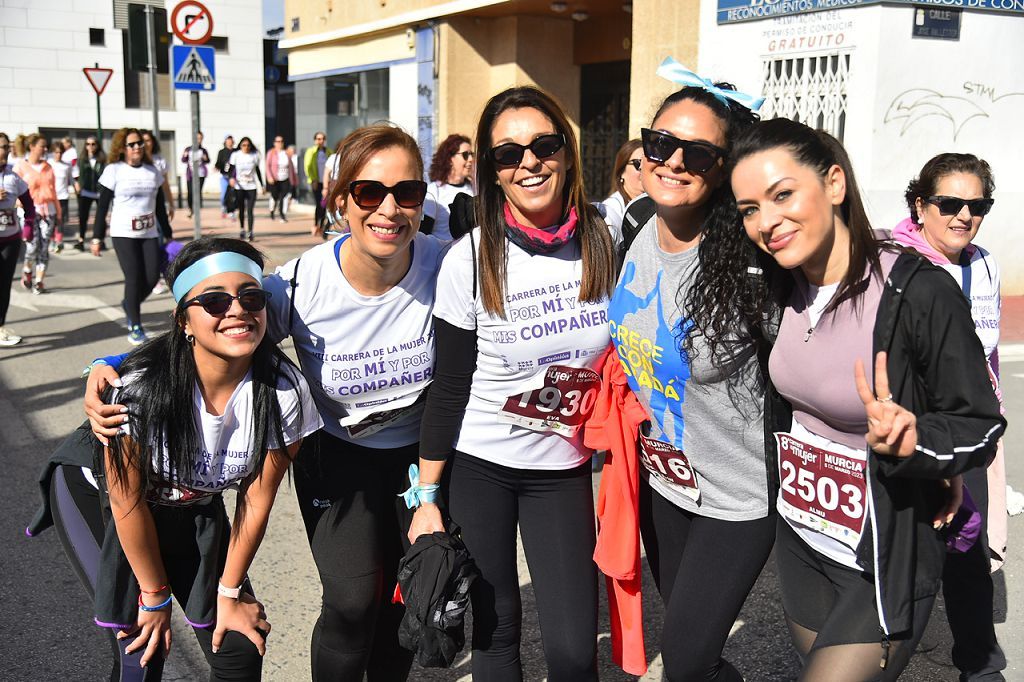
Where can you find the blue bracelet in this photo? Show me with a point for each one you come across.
(158, 607)
(417, 494)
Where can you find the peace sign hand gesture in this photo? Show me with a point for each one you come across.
(892, 430)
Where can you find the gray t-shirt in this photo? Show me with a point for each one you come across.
(717, 424)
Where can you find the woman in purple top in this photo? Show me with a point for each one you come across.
(863, 461)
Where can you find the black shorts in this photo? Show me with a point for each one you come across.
(830, 599)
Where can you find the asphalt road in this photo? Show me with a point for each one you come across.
(45, 619)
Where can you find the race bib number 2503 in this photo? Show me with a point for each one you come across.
(561, 405)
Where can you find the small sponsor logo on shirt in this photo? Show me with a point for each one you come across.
(557, 357)
(321, 504)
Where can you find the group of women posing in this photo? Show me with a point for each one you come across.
(759, 329)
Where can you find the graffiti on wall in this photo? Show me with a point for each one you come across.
(974, 101)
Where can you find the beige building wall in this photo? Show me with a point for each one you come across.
(480, 57)
(380, 47)
(320, 16)
(661, 28)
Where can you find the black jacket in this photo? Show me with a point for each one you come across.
(937, 371)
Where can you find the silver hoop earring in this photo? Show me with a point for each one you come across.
(189, 339)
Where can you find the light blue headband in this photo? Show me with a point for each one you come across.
(672, 70)
(214, 264)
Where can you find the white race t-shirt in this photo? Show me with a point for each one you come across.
(61, 179)
(368, 358)
(245, 166)
(980, 283)
(227, 457)
(14, 186)
(134, 206)
(546, 325)
(282, 167)
(440, 196)
(613, 209)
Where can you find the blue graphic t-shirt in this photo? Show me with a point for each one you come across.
(688, 399)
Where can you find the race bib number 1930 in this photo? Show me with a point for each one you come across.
(561, 405)
(822, 489)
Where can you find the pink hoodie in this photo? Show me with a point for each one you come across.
(909, 233)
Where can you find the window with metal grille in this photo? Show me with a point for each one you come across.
(810, 89)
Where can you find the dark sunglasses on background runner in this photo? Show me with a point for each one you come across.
(953, 205)
(699, 157)
(635, 163)
(465, 155)
(133, 145)
(219, 302)
(370, 194)
(511, 154)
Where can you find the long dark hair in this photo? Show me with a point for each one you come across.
(724, 296)
(591, 231)
(441, 164)
(160, 399)
(819, 151)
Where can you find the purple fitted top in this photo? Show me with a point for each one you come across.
(815, 372)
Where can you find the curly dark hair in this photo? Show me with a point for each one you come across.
(727, 302)
(441, 164)
(938, 167)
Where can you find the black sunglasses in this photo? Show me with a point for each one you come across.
(699, 157)
(635, 163)
(953, 205)
(370, 194)
(133, 145)
(465, 155)
(511, 154)
(219, 302)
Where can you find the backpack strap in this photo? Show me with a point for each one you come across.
(294, 283)
(638, 213)
(472, 247)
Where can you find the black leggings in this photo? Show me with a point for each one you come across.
(9, 252)
(278, 191)
(202, 181)
(246, 208)
(704, 569)
(84, 206)
(357, 525)
(79, 522)
(140, 261)
(320, 212)
(554, 511)
(968, 592)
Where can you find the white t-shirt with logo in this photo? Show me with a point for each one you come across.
(245, 165)
(283, 166)
(227, 457)
(133, 212)
(368, 358)
(980, 283)
(546, 325)
(11, 183)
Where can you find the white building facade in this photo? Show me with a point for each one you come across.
(894, 99)
(45, 45)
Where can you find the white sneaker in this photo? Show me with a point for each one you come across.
(8, 338)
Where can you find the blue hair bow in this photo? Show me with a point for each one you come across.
(672, 70)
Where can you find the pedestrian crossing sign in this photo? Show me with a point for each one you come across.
(193, 68)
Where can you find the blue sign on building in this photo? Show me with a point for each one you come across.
(193, 68)
(732, 11)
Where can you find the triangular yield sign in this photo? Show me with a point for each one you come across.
(98, 78)
(193, 70)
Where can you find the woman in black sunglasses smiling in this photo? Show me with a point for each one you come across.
(212, 404)
(518, 327)
(948, 201)
(451, 174)
(625, 186)
(686, 321)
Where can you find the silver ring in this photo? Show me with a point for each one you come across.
(886, 399)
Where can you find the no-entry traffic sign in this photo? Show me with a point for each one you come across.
(192, 22)
(98, 78)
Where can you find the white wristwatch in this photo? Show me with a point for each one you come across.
(229, 592)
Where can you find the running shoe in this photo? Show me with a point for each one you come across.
(26, 280)
(161, 287)
(241, 234)
(8, 338)
(283, 219)
(60, 247)
(252, 237)
(136, 336)
(38, 289)
(79, 246)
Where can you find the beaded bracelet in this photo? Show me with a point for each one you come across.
(163, 605)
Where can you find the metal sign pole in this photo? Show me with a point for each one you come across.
(153, 96)
(99, 121)
(196, 160)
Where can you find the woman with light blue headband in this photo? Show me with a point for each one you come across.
(686, 320)
(211, 404)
